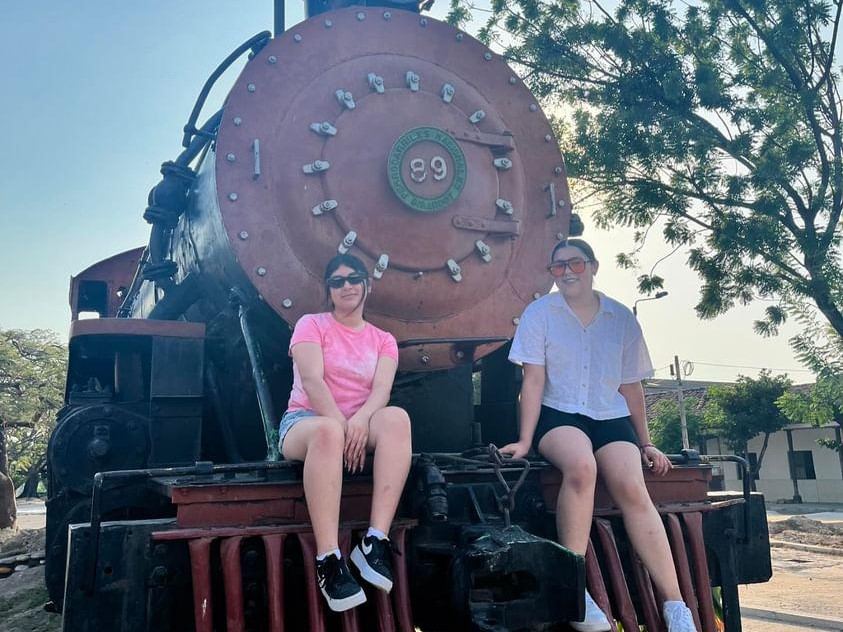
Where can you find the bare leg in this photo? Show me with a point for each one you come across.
(619, 464)
(569, 449)
(389, 437)
(319, 442)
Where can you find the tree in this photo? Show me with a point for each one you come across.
(666, 424)
(718, 121)
(32, 370)
(821, 349)
(740, 412)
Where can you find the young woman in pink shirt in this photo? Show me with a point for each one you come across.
(343, 369)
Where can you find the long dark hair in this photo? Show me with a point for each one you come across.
(349, 261)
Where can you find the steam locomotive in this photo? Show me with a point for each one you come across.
(376, 130)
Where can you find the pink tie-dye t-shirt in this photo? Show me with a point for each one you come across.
(350, 358)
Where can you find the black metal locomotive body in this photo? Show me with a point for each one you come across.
(380, 131)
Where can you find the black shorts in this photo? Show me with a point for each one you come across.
(600, 431)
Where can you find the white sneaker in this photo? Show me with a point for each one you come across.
(595, 620)
(677, 617)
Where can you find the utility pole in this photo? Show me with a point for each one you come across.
(681, 397)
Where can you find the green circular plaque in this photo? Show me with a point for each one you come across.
(419, 179)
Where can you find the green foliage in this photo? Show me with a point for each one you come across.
(718, 120)
(741, 411)
(32, 372)
(666, 425)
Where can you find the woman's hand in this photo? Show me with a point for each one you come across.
(517, 450)
(356, 439)
(655, 459)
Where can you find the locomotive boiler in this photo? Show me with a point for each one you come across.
(382, 132)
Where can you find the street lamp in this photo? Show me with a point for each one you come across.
(658, 295)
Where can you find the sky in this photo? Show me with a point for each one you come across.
(94, 97)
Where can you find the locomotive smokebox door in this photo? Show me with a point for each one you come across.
(405, 142)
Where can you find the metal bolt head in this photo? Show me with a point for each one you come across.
(487, 56)
(423, 21)
(271, 59)
(329, 23)
(238, 121)
(560, 236)
(425, 359)
(460, 355)
(230, 157)
(459, 37)
(534, 107)
(287, 303)
(251, 87)
(513, 81)
(537, 295)
(561, 203)
(361, 16)
(558, 171)
(297, 37)
(232, 196)
(243, 234)
(548, 138)
(387, 15)
(516, 320)
(261, 271)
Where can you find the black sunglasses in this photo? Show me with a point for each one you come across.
(336, 282)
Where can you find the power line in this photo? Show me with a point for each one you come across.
(742, 366)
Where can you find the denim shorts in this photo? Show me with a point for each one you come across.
(290, 419)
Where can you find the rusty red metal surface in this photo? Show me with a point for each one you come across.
(623, 607)
(389, 610)
(694, 531)
(116, 272)
(282, 245)
(136, 327)
(200, 567)
(683, 570)
(647, 599)
(596, 585)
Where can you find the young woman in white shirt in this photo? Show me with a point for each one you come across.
(582, 408)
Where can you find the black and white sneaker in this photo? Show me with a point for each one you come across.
(373, 558)
(337, 584)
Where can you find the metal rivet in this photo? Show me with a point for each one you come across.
(250, 87)
(237, 121)
(423, 21)
(261, 271)
(460, 355)
(244, 235)
(230, 157)
(516, 320)
(232, 197)
(560, 235)
(328, 24)
(561, 203)
(272, 59)
(387, 15)
(548, 138)
(297, 37)
(287, 302)
(537, 295)
(425, 359)
(513, 81)
(361, 16)
(459, 37)
(558, 171)
(487, 56)
(534, 107)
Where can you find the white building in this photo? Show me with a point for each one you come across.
(795, 467)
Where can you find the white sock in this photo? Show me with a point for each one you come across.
(673, 605)
(335, 552)
(380, 535)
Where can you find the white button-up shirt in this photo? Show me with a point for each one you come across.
(584, 366)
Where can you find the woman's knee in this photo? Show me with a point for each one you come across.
(630, 493)
(393, 421)
(328, 436)
(580, 474)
